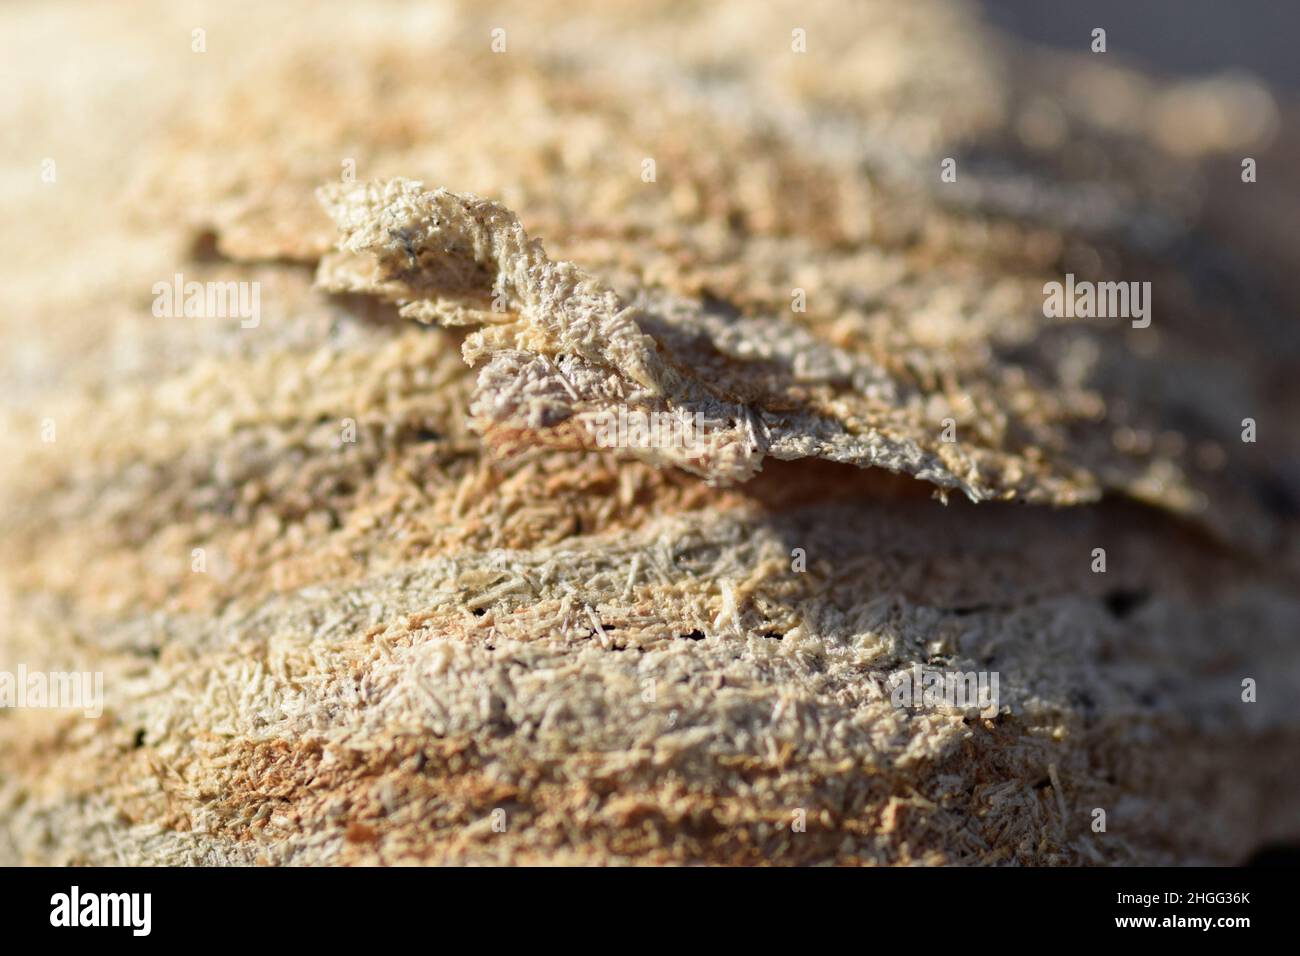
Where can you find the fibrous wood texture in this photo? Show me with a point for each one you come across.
(364, 585)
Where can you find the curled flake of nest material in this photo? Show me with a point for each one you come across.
(562, 355)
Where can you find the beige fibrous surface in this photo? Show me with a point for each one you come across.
(434, 620)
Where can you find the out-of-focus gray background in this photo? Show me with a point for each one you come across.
(1185, 37)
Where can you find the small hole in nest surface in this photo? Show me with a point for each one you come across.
(1121, 603)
